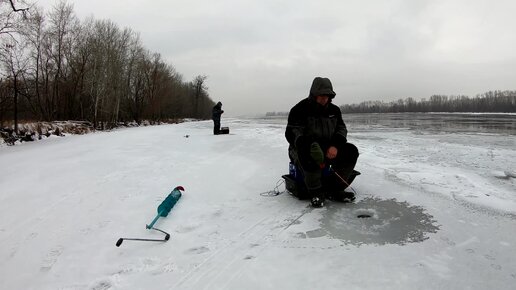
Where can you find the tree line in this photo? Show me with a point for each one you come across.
(489, 102)
(57, 67)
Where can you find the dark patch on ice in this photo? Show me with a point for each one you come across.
(300, 235)
(390, 222)
(363, 137)
(102, 285)
(510, 174)
(316, 233)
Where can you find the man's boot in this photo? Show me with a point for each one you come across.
(342, 196)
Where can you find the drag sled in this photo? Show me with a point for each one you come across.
(294, 181)
(224, 130)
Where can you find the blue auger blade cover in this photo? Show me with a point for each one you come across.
(169, 202)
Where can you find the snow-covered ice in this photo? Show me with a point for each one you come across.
(442, 207)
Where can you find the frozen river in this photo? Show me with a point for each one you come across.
(475, 150)
(440, 195)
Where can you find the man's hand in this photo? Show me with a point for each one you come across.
(331, 152)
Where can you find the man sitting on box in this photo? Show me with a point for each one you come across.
(318, 137)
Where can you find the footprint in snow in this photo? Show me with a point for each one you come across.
(32, 236)
(51, 258)
(186, 229)
(198, 250)
(170, 267)
(489, 257)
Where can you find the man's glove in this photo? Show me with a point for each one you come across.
(317, 154)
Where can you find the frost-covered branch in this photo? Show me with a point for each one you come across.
(17, 9)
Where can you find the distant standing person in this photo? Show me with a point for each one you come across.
(216, 113)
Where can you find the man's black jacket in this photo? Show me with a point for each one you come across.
(310, 122)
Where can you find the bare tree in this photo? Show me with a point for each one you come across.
(200, 88)
(11, 15)
(61, 21)
(17, 9)
(33, 33)
(15, 64)
(55, 67)
(79, 57)
(5, 100)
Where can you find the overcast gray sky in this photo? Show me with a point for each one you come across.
(262, 55)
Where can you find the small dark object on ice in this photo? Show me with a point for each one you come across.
(317, 202)
(224, 130)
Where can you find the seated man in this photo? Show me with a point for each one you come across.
(317, 137)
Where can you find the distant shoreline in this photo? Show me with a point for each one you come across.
(285, 114)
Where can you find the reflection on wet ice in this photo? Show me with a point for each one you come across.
(390, 222)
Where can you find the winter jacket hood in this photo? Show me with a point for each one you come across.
(321, 87)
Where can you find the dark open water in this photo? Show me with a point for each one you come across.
(500, 124)
(504, 124)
